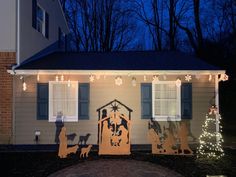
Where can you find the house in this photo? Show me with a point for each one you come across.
(86, 91)
(83, 88)
(28, 28)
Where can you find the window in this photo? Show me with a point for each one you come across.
(40, 19)
(166, 101)
(63, 101)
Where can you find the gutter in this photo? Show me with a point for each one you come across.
(115, 72)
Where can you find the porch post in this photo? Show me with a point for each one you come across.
(217, 105)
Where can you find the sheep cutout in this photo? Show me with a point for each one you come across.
(84, 139)
(85, 151)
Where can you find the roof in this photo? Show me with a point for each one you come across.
(123, 60)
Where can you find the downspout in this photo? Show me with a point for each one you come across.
(13, 67)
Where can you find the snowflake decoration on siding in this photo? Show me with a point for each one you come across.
(91, 78)
(188, 77)
(155, 78)
(118, 81)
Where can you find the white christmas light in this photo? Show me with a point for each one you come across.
(210, 78)
(62, 78)
(57, 78)
(178, 82)
(145, 78)
(118, 80)
(210, 141)
(91, 78)
(69, 83)
(134, 83)
(188, 77)
(38, 78)
(24, 86)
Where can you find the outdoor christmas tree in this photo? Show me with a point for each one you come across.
(210, 140)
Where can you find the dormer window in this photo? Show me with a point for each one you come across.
(40, 19)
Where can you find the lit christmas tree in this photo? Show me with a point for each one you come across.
(211, 139)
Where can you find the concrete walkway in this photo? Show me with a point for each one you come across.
(115, 168)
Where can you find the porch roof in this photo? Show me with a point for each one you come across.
(121, 61)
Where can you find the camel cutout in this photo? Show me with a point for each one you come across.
(63, 149)
(166, 146)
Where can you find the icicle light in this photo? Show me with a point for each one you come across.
(134, 82)
(178, 82)
(38, 77)
(24, 86)
(57, 78)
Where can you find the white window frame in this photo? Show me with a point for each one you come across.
(43, 22)
(178, 105)
(64, 118)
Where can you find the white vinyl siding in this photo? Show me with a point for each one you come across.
(166, 101)
(63, 101)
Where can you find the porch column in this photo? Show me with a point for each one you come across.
(217, 105)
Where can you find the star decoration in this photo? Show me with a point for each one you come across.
(188, 77)
(115, 107)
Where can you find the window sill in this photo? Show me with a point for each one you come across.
(167, 118)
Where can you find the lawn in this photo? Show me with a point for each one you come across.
(41, 164)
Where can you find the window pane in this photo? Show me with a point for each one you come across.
(64, 99)
(166, 101)
(39, 13)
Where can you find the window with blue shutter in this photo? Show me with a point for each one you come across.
(34, 13)
(42, 101)
(186, 101)
(84, 89)
(146, 100)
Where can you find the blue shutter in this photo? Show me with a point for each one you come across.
(146, 100)
(42, 101)
(34, 13)
(84, 101)
(186, 101)
(46, 25)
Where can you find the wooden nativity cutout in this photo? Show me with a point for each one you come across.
(85, 151)
(114, 130)
(166, 143)
(63, 149)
